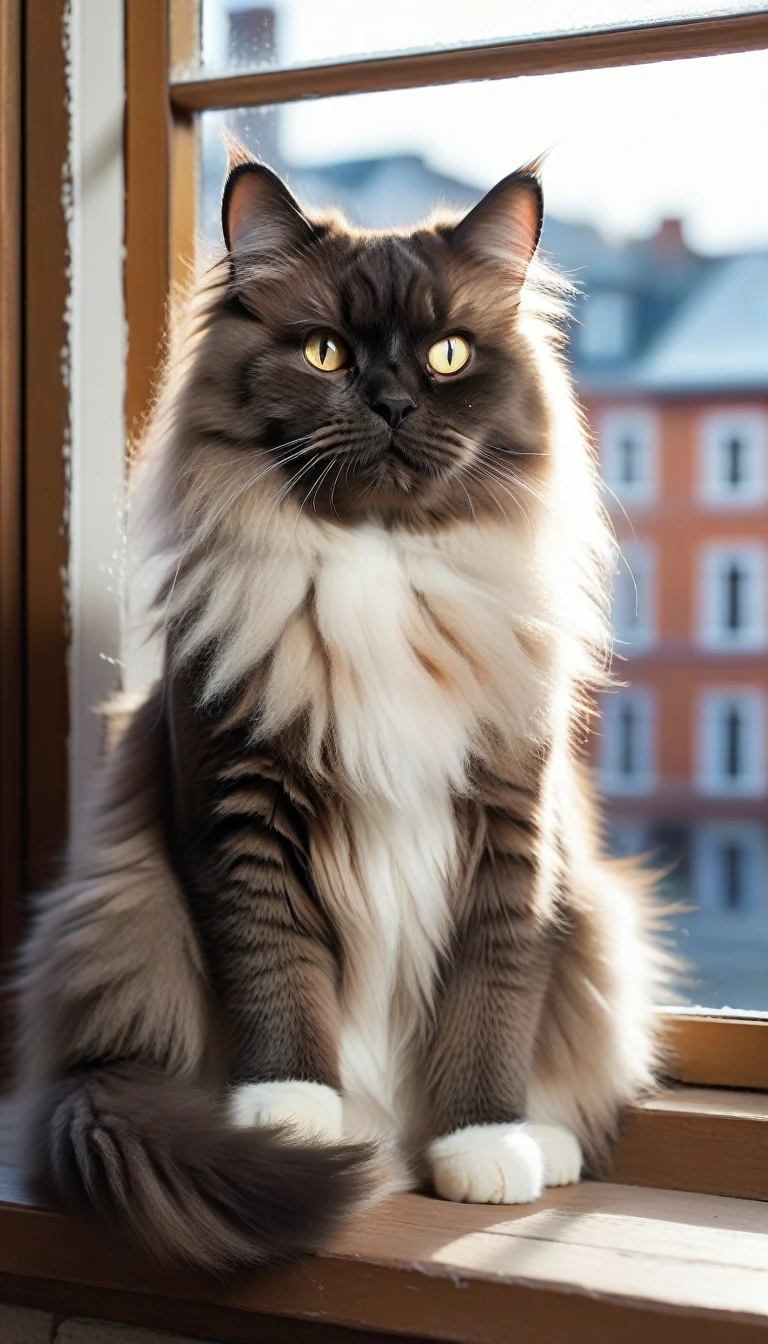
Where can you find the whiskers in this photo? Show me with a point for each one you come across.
(316, 447)
(481, 468)
(204, 536)
(483, 465)
(300, 446)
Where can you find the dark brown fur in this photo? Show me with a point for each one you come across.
(158, 1158)
(388, 297)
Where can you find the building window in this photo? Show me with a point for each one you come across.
(732, 743)
(634, 597)
(606, 330)
(730, 869)
(734, 459)
(732, 611)
(628, 454)
(627, 742)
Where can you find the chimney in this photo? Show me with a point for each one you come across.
(667, 243)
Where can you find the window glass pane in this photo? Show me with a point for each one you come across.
(731, 731)
(632, 211)
(628, 441)
(734, 458)
(732, 597)
(627, 756)
(239, 35)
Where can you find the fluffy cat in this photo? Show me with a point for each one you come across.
(338, 916)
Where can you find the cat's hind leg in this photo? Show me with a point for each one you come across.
(597, 1044)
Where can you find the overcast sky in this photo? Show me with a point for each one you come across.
(628, 146)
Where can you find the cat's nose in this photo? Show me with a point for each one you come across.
(394, 409)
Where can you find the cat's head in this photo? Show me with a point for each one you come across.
(382, 374)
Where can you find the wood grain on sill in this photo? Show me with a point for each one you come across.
(594, 1261)
(584, 1263)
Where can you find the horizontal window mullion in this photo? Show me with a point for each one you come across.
(556, 54)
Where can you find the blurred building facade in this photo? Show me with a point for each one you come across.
(672, 364)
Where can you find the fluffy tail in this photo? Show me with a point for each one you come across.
(159, 1158)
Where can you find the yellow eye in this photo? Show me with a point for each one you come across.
(326, 352)
(449, 355)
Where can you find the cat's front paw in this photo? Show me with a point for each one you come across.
(309, 1110)
(561, 1150)
(487, 1164)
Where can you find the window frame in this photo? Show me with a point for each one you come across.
(11, 483)
(712, 634)
(710, 781)
(632, 44)
(614, 782)
(160, 162)
(34, 425)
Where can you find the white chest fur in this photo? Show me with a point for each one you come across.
(406, 707)
(403, 745)
(404, 649)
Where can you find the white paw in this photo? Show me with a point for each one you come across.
(312, 1110)
(487, 1164)
(561, 1151)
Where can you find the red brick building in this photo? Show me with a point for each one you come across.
(683, 751)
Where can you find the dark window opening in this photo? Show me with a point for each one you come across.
(628, 473)
(734, 473)
(734, 764)
(735, 582)
(733, 875)
(627, 746)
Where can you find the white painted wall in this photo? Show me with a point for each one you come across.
(95, 34)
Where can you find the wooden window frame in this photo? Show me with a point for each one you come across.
(634, 44)
(34, 429)
(11, 608)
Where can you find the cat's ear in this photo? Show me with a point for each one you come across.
(258, 212)
(505, 225)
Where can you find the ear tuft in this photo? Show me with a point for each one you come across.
(235, 150)
(259, 214)
(504, 227)
(535, 167)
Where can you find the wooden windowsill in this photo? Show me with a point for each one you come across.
(717, 1049)
(599, 1261)
(708, 1140)
(595, 1261)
